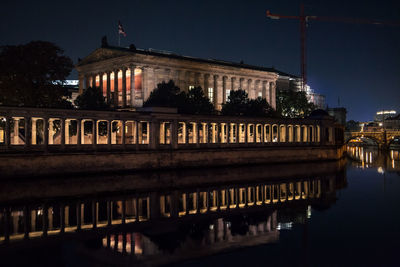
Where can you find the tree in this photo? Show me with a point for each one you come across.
(32, 75)
(259, 107)
(165, 95)
(293, 104)
(169, 95)
(92, 98)
(239, 104)
(195, 102)
(353, 126)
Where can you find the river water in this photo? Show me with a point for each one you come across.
(311, 214)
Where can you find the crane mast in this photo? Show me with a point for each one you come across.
(303, 19)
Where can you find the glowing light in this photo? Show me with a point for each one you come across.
(386, 112)
(381, 170)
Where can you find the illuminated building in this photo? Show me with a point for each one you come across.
(287, 82)
(128, 75)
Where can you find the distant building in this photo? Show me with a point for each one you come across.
(287, 82)
(384, 114)
(392, 123)
(339, 114)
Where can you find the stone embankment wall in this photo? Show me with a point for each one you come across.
(18, 165)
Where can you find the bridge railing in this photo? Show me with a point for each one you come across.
(30, 129)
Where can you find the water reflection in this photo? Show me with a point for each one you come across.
(372, 157)
(171, 221)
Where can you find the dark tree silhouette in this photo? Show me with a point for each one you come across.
(32, 75)
(169, 95)
(239, 104)
(165, 95)
(259, 107)
(293, 104)
(195, 102)
(92, 98)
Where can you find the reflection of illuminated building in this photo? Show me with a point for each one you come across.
(367, 157)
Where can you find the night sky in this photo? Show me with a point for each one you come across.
(358, 64)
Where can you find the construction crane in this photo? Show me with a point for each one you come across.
(303, 19)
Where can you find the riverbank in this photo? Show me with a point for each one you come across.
(29, 165)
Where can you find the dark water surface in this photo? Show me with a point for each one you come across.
(343, 213)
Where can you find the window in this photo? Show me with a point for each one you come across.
(211, 94)
(259, 94)
(191, 87)
(228, 92)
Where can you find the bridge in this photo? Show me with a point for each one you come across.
(382, 138)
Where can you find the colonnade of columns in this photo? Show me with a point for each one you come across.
(120, 85)
(153, 134)
(156, 132)
(123, 87)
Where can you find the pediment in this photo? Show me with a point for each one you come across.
(101, 54)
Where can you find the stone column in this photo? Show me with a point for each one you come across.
(224, 86)
(123, 87)
(28, 132)
(123, 133)
(33, 131)
(67, 136)
(46, 132)
(272, 94)
(145, 91)
(206, 78)
(197, 79)
(216, 94)
(241, 84)
(87, 81)
(109, 128)
(174, 134)
(233, 83)
(154, 133)
(94, 133)
(94, 80)
(101, 83)
(63, 133)
(108, 87)
(81, 83)
(116, 93)
(51, 132)
(78, 132)
(251, 90)
(132, 67)
(16, 131)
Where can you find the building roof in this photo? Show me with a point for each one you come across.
(114, 52)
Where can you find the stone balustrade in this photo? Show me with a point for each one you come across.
(64, 130)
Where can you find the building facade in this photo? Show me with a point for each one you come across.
(287, 82)
(128, 75)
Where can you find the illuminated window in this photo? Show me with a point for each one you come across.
(191, 87)
(228, 93)
(211, 94)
